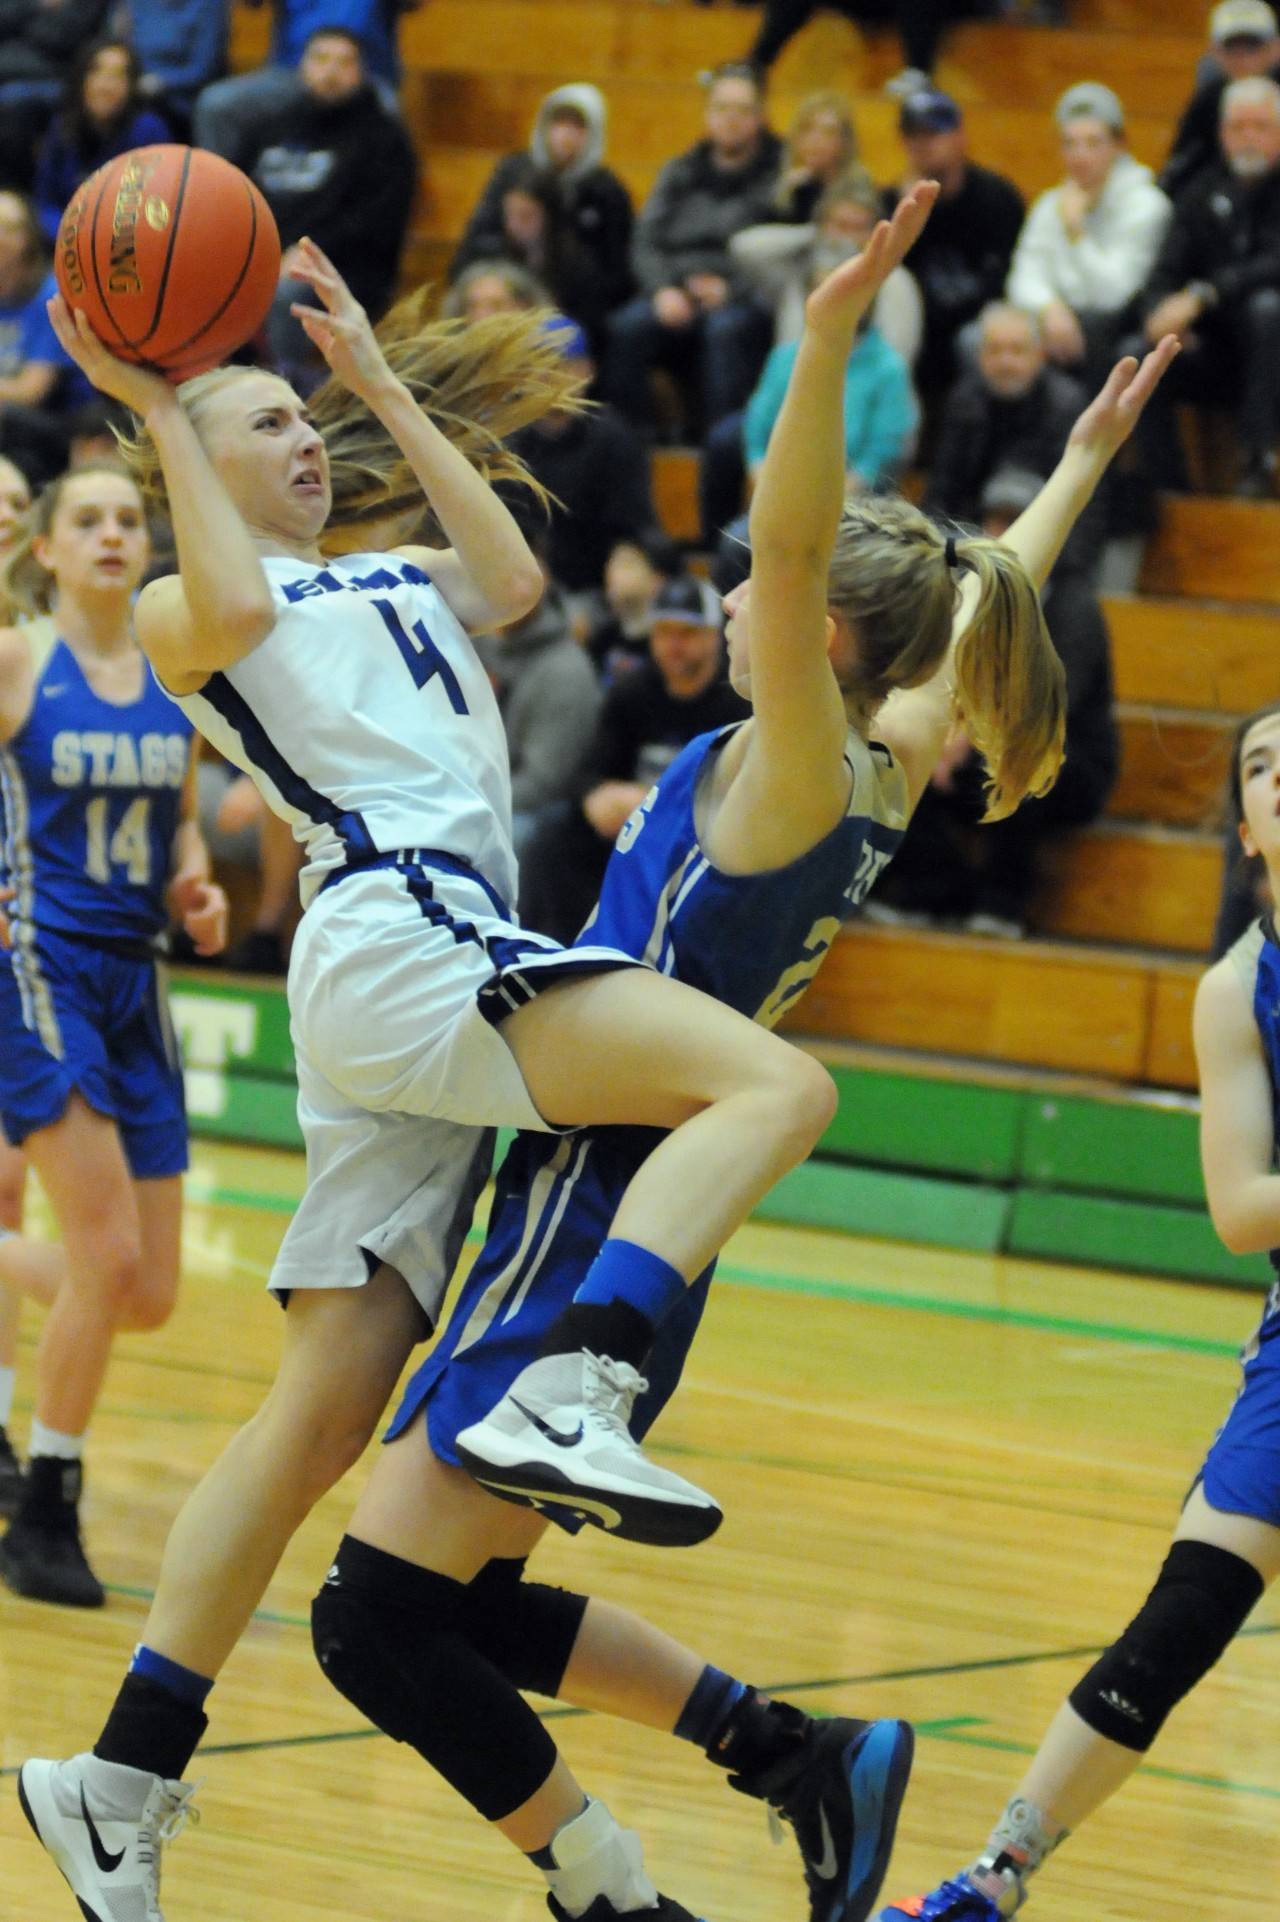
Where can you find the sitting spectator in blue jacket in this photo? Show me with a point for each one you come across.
(35, 375)
(881, 417)
(182, 48)
(103, 115)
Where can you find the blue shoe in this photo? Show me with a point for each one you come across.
(841, 1792)
(954, 1901)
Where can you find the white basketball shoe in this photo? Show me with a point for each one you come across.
(104, 1825)
(559, 1438)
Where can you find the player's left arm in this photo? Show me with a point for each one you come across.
(488, 574)
(1237, 1121)
(194, 897)
(796, 754)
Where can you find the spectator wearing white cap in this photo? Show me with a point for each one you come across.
(1089, 244)
(1244, 41)
(1216, 284)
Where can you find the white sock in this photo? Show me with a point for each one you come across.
(595, 1857)
(8, 1376)
(47, 1441)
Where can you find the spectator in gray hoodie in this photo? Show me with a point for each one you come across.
(1088, 246)
(694, 314)
(567, 147)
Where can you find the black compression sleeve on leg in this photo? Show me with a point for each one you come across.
(1199, 1603)
(393, 1639)
(526, 1629)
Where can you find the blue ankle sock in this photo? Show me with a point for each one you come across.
(623, 1271)
(715, 1696)
(179, 1681)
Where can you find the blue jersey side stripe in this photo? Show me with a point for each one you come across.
(263, 752)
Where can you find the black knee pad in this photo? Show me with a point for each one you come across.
(1200, 1602)
(392, 1639)
(526, 1629)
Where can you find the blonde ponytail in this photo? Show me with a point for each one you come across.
(478, 381)
(1011, 690)
(891, 582)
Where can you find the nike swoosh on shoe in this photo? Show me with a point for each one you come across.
(555, 1435)
(107, 1862)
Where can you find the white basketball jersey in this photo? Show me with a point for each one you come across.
(366, 721)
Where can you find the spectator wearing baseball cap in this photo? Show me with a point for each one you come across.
(962, 258)
(1244, 42)
(647, 717)
(1089, 244)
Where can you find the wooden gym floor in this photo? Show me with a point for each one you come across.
(948, 1481)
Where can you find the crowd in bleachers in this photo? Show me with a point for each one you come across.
(681, 318)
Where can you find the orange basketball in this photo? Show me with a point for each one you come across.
(173, 255)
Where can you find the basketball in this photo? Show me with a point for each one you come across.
(173, 255)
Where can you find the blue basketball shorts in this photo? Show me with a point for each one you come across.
(1241, 1473)
(76, 1020)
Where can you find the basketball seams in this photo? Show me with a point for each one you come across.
(189, 321)
(191, 340)
(103, 303)
(179, 197)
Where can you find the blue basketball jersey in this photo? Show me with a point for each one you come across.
(90, 798)
(754, 941)
(1256, 956)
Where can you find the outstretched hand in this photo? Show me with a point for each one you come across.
(1111, 417)
(136, 387)
(339, 327)
(834, 309)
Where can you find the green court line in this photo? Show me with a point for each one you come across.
(866, 1297)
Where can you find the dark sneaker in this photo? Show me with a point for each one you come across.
(602, 1910)
(10, 1477)
(42, 1556)
(841, 1792)
(953, 1901)
(260, 952)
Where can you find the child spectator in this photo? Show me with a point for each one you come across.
(534, 230)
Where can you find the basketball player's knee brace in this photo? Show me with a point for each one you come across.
(526, 1629)
(392, 1638)
(1201, 1600)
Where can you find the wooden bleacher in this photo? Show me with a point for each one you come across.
(1126, 908)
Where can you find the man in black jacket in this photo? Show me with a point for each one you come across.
(961, 260)
(337, 167)
(693, 314)
(1216, 284)
(1014, 410)
(1243, 41)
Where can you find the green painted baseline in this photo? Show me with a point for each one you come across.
(1108, 1178)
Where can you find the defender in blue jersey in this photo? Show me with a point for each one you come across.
(1226, 1547)
(735, 872)
(97, 844)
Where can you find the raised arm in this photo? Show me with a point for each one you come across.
(1237, 1124)
(797, 745)
(488, 574)
(218, 608)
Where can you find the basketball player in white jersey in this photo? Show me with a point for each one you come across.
(350, 692)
